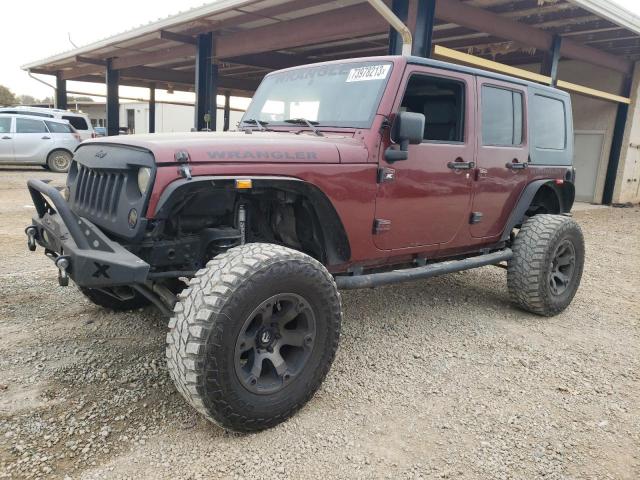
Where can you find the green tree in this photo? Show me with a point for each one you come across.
(27, 100)
(72, 99)
(6, 96)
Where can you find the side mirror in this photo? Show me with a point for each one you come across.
(408, 129)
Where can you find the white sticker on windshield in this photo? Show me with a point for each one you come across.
(372, 72)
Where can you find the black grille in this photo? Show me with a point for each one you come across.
(97, 192)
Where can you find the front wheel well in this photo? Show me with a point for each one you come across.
(284, 211)
(299, 216)
(59, 149)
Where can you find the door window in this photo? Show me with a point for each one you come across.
(501, 116)
(57, 127)
(442, 103)
(27, 125)
(5, 125)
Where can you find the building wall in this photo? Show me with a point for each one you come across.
(627, 186)
(591, 114)
(169, 117)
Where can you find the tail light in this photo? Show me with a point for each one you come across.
(94, 135)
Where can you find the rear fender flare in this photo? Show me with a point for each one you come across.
(565, 194)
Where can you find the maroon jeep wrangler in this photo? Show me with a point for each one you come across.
(347, 174)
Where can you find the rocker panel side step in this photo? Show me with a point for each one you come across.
(432, 270)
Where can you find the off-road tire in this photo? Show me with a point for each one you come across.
(528, 272)
(105, 300)
(208, 319)
(59, 161)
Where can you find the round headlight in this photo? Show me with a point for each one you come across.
(144, 179)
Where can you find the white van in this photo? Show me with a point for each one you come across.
(79, 121)
(27, 140)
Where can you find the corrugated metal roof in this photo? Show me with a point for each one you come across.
(254, 27)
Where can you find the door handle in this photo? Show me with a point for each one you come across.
(516, 165)
(46, 138)
(6, 138)
(460, 164)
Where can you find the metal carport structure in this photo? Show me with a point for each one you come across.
(226, 47)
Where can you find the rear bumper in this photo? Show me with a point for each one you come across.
(93, 259)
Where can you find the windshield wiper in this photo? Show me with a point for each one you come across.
(309, 123)
(259, 123)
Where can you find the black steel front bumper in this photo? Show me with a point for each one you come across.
(77, 246)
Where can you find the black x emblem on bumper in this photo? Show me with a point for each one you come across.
(101, 270)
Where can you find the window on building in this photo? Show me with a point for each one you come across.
(501, 116)
(78, 123)
(26, 125)
(442, 103)
(549, 123)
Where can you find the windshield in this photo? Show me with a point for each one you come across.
(337, 95)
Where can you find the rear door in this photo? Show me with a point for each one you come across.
(6, 139)
(32, 141)
(502, 156)
(62, 134)
(425, 200)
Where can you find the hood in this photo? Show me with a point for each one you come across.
(235, 147)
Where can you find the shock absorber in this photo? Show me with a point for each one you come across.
(242, 223)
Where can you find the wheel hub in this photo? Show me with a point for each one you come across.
(562, 268)
(275, 343)
(266, 337)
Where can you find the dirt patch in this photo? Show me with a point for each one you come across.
(434, 379)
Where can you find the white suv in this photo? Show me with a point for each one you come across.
(27, 140)
(79, 121)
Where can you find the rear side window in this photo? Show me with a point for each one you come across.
(5, 125)
(56, 127)
(26, 125)
(549, 123)
(78, 123)
(501, 116)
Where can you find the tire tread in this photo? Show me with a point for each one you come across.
(199, 320)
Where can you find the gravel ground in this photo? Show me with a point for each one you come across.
(434, 379)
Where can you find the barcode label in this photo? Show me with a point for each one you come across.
(372, 72)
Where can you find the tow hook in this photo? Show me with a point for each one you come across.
(63, 264)
(31, 237)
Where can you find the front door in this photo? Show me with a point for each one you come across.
(502, 158)
(426, 202)
(6, 139)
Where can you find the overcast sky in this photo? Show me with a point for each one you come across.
(35, 29)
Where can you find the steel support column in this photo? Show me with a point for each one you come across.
(61, 92)
(423, 35)
(152, 108)
(206, 83)
(113, 106)
(401, 10)
(227, 111)
(551, 59)
(616, 143)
